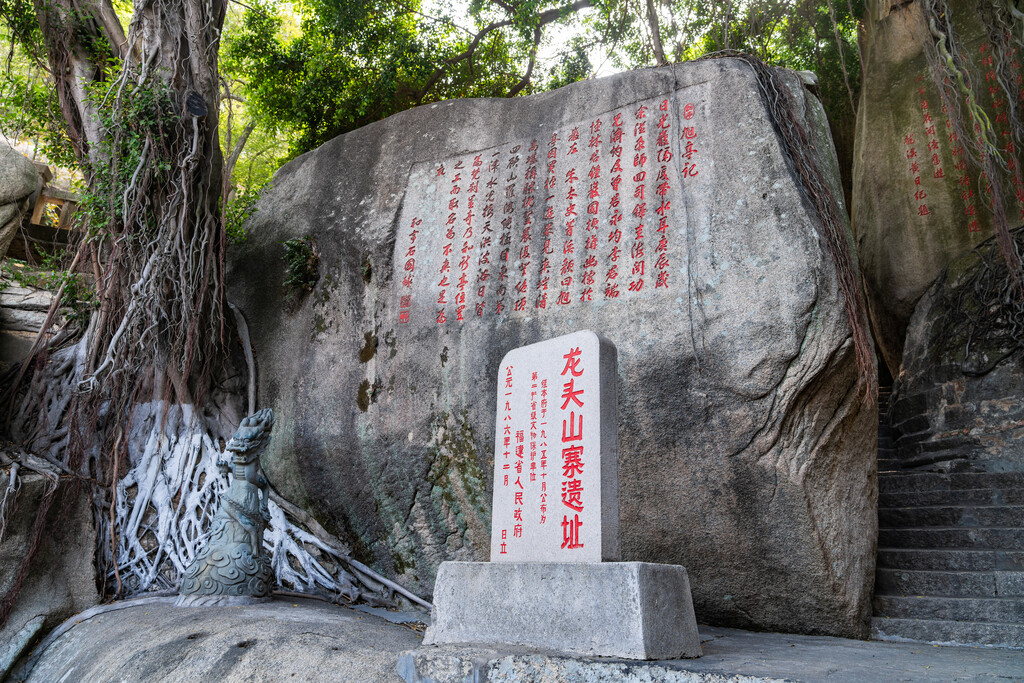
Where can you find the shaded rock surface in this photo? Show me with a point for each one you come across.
(61, 581)
(22, 314)
(747, 453)
(957, 402)
(283, 640)
(18, 180)
(918, 199)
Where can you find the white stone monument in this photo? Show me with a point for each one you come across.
(553, 581)
(556, 453)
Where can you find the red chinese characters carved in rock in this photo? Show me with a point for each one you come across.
(583, 211)
(409, 268)
(507, 449)
(611, 287)
(640, 210)
(572, 451)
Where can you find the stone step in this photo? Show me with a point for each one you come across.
(951, 497)
(950, 559)
(952, 515)
(1004, 610)
(954, 584)
(949, 632)
(979, 538)
(936, 481)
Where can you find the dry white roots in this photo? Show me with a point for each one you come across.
(167, 499)
(163, 506)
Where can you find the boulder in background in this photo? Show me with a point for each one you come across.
(919, 201)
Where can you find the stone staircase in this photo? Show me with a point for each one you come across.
(950, 557)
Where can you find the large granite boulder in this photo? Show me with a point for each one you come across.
(747, 446)
(918, 197)
(19, 179)
(62, 580)
(957, 403)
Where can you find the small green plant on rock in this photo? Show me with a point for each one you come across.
(239, 210)
(303, 267)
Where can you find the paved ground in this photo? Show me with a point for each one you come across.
(732, 656)
(307, 640)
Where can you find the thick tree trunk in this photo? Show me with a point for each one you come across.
(157, 336)
(133, 411)
(652, 21)
(79, 41)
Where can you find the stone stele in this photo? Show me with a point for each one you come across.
(555, 517)
(634, 610)
(919, 201)
(656, 208)
(556, 453)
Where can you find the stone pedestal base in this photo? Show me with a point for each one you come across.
(633, 610)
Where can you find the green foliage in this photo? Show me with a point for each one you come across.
(239, 209)
(79, 298)
(302, 269)
(28, 105)
(18, 24)
(796, 34)
(315, 69)
(573, 65)
(353, 63)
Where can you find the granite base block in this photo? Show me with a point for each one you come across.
(632, 610)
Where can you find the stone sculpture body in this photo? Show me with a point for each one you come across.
(234, 568)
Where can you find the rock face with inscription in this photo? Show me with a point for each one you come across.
(919, 197)
(655, 208)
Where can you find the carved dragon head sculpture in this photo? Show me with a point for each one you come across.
(251, 437)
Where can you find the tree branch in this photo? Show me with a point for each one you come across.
(529, 69)
(542, 19)
(652, 21)
(229, 165)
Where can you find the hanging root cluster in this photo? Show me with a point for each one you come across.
(955, 75)
(782, 110)
(983, 323)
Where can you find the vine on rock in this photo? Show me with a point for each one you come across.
(954, 75)
(797, 146)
